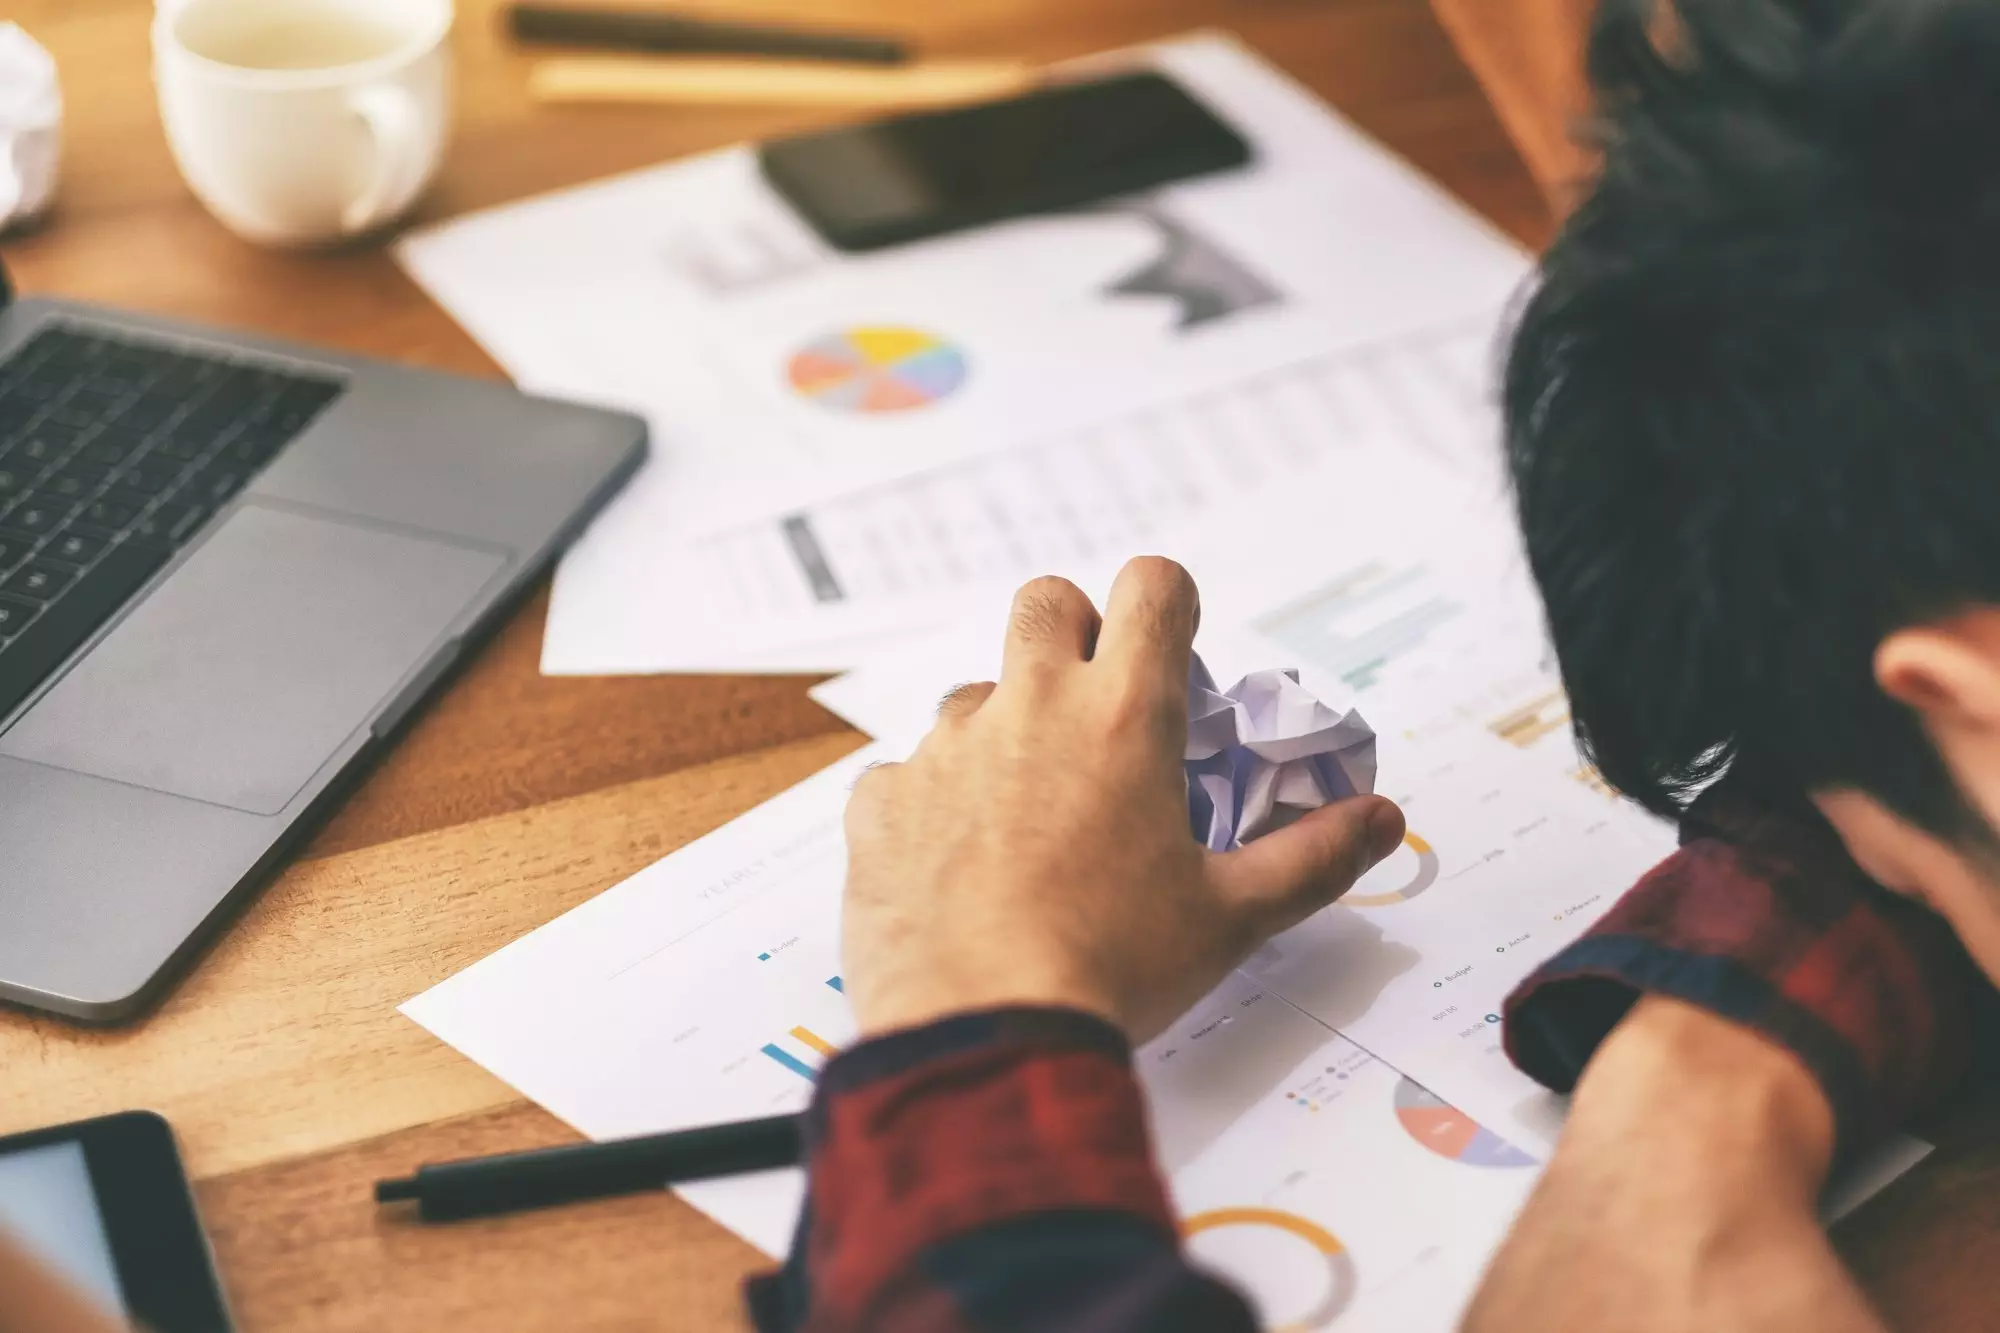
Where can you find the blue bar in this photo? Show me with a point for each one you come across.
(835, 983)
(792, 1062)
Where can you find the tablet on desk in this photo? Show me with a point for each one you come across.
(106, 1204)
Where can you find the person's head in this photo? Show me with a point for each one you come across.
(1753, 423)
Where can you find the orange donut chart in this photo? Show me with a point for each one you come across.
(1427, 873)
(1340, 1273)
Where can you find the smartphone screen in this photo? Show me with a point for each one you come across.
(48, 1204)
(105, 1205)
(868, 186)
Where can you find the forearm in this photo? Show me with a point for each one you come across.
(1682, 1196)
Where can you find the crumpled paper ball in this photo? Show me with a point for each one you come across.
(30, 127)
(1263, 752)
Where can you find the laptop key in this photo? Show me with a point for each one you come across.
(35, 517)
(148, 413)
(222, 483)
(255, 443)
(73, 548)
(174, 521)
(37, 581)
(148, 477)
(42, 388)
(15, 615)
(38, 449)
(183, 447)
(108, 451)
(71, 486)
(52, 636)
(108, 513)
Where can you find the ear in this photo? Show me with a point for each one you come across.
(1948, 671)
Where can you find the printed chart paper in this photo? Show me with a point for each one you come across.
(1138, 348)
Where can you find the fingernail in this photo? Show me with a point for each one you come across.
(1385, 830)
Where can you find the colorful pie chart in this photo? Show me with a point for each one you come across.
(1449, 1132)
(877, 369)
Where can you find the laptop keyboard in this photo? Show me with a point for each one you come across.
(114, 451)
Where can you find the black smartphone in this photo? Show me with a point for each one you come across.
(898, 180)
(105, 1204)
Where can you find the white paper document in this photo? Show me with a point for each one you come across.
(1156, 354)
(800, 590)
(707, 988)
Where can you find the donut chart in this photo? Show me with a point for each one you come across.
(1341, 1278)
(877, 369)
(1417, 878)
(1449, 1132)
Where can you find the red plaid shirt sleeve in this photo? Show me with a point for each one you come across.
(1765, 921)
(990, 1172)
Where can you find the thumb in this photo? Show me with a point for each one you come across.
(1288, 874)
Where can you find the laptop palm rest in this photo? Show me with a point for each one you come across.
(253, 662)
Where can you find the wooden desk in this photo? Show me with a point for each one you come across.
(281, 1059)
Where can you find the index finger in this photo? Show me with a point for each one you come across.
(1149, 623)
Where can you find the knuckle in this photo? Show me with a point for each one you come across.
(869, 794)
(962, 700)
(1145, 700)
(1137, 735)
(1140, 701)
(1038, 677)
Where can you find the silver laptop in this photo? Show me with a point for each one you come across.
(229, 569)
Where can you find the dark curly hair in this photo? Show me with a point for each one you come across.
(1753, 404)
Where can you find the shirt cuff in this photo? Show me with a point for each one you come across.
(923, 1136)
(1782, 934)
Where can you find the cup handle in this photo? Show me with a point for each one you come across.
(396, 124)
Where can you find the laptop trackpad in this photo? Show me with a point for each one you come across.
(243, 673)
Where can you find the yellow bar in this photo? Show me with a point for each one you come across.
(696, 80)
(814, 1040)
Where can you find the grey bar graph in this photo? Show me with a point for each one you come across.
(812, 561)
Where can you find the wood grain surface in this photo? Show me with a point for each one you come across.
(281, 1059)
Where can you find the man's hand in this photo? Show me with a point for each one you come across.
(1682, 1197)
(1036, 849)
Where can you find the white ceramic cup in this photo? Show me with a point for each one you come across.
(302, 122)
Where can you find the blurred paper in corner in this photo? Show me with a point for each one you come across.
(844, 445)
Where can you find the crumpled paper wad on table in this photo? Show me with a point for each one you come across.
(30, 127)
(1264, 751)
